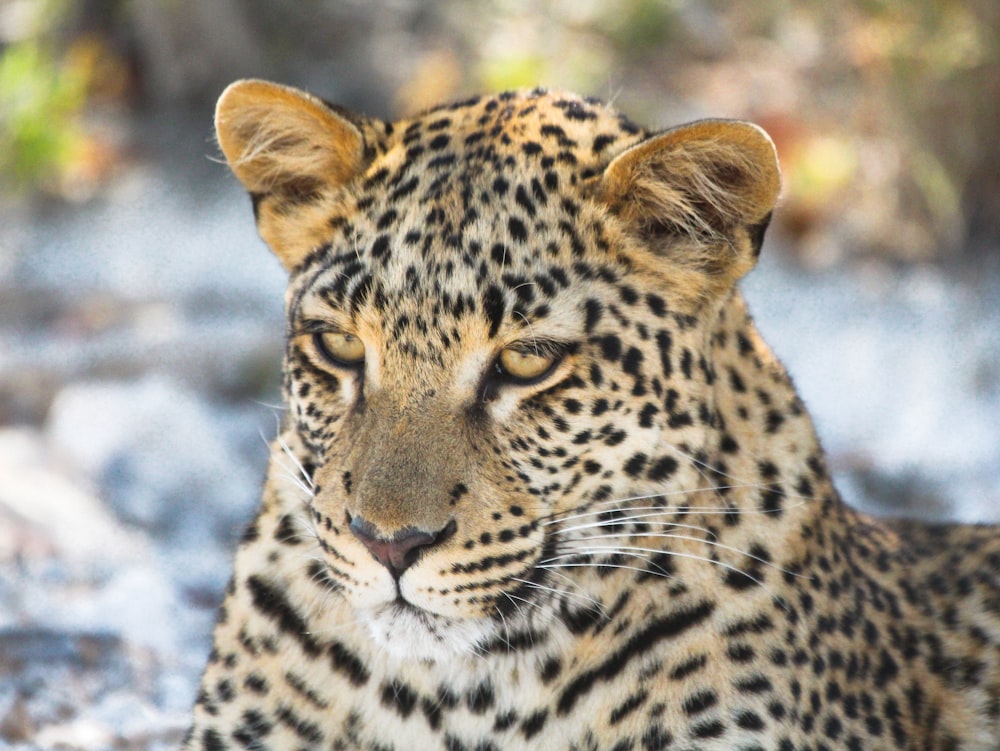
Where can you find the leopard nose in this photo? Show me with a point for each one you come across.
(399, 552)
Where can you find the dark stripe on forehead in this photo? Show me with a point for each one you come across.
(493, 308)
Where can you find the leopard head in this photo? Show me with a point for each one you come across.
(498, 314)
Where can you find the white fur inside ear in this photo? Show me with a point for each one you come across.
(700, 179)
(274, 136)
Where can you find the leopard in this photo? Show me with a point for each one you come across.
(538, 482)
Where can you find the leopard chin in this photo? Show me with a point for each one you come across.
(406, 633)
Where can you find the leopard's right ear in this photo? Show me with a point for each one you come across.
(289, 149)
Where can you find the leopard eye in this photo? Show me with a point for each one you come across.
(525, 366)
(340, 348)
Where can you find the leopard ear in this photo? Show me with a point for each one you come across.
(699, 197)
(288, 148)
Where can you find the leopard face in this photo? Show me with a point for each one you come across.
(493, 341)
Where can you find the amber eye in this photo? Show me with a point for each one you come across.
(340, 348)
(522, 365)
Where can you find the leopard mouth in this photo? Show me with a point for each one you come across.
(409, 633)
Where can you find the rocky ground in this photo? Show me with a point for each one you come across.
(139, 346)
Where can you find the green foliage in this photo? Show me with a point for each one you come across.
(41, 98)
(39, 102)
(513, 71)
(637, 27)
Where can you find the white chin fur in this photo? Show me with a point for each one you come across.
(407, 635)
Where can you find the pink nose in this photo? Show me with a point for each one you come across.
(400, 551)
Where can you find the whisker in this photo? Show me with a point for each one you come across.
(554, 566)
(669, 494)
(689, 538)
(660, 511)
(643, 553)
(291, 455)
(611, 523)
(561, 592)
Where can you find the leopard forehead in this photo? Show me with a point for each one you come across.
(477, 207)
(494, 134)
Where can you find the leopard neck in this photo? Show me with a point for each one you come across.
(767, 450)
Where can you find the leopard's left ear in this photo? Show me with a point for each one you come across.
(699, 197)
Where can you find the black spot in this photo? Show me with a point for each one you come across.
(747, 720)
(611, 347)
(680, 420)
(708, 729)
(663, 343)
(256, 683)
(251, 532)
(656, 305)
(699, 702)
(522, 199)
(381, 246)
(253, 728)
(632, 363)
(574, 110)
(662, 469)
(647, 414)
(686, 362)
(432, 711)
(754, 684)
(740, 652)
(212, 741)
(345, 661)
(602, 141)
(404, 190)
(499, 254)
(628, 706)
(634, 466)
(481, 698)
(400, 697)
(594, 311)
(740, 580)
(729, 445)
(504, 720)
(887, 670)
(551, 670)
(656, 738)
(224, 690)
(533, 724)
(439, 142)
(517, 229)
(286, 533)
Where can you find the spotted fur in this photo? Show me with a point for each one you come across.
(540, 483)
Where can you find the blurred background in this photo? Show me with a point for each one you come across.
(140, 316)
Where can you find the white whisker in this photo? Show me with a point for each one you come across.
(561, 592)
(639, 552)
(689, 538)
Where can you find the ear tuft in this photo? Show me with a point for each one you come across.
(700, 195)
